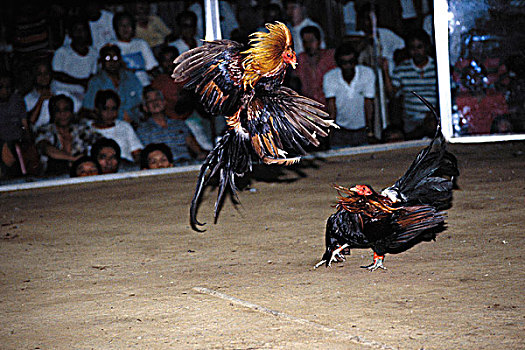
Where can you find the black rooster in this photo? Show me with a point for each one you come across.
(266, 121)
(402, 215)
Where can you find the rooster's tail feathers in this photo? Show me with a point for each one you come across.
(229, 158)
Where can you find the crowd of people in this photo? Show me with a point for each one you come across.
(103, 101)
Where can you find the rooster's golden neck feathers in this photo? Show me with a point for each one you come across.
(266, 52)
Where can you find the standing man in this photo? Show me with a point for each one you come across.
(313, 64)
(418, 74)
(349, 90)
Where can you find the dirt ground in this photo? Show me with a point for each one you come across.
(115, 265)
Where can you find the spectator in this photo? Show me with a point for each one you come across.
(349, 91)
(30, 37)
(13, 123)
(156, 156)
(377, 51)
(107, 104)
(174, 95)
(272, 12)
(107, 154)
(350, 17)
(502, 124)
(37, 100)
(84, 166)
(228, 19)
(114, 76)
(418, 74)
(387, 42)
(136, 53)
(187, 22)
(100, 23)
(296, 13)
(313, 63)
(63, 141)
(158, 128)
(74, 63)
(150, 27)
(246, 12)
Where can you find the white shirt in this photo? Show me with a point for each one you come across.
(389, 42)
(181, 45)
(68, 61)
(137, 55)
(102, 31)
(124, 135)
(350, 98)
(228, 22)
(31, 98)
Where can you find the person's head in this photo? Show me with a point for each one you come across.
(110, 58)
(166, 56)
(187, 22)
(156, 156)
(311, 37)
(92, 10)
(107, 103)
(272, 12)
(417, 43)
(124, 25)
(43, 73)
(295, 11)
(346, 57)
(84, 166)
(502, 124)
(6, 85)
(142, 11)
(107, 154)
(79, 31)
(364, 21)
(61, 110)
(153, 101)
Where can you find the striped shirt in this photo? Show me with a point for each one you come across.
(174, 136)
(407, 77)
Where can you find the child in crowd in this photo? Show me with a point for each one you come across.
(136, 53)
(107, 104)
(84, 166)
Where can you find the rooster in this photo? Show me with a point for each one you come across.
(265, 120)
(402, 215)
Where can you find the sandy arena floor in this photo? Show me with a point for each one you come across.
(115, 265)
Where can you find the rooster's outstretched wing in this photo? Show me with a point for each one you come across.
(282, 122)
(213, 71)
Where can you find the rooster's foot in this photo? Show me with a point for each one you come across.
(377, 264)
(336, 257)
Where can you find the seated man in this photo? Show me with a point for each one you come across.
(114, 76)
(158, 128)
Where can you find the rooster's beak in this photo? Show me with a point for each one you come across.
(294, 64)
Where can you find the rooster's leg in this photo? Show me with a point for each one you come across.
(377, 264)
(337, 256)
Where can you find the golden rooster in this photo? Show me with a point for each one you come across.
(265, 119)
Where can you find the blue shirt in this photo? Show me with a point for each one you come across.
(174, 136)
(129, 91)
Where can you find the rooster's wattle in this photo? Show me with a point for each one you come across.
(402, 215)
(265, 120)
